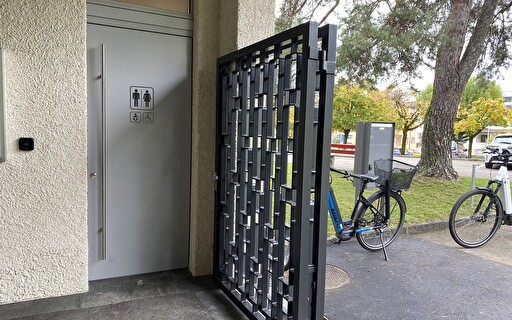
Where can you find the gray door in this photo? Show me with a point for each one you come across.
(139, 113)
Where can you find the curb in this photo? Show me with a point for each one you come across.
(417, 228)
(425, 227)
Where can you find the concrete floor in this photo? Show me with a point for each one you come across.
(428, 276)
(166, 295)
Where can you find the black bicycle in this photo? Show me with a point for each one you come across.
(376, 220)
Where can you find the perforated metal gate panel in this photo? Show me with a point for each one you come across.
(273, 140)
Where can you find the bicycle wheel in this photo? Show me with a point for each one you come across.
(475, 218)
(374, 216)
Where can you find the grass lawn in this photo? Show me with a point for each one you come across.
(428, 199)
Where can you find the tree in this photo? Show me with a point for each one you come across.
(410, 111)
(481, 113)
(355, 103)
(473, 117)
(384, 38)
(294, 12)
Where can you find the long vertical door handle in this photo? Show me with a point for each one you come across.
(103, 155)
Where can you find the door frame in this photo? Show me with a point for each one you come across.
(129, 16)
(137, 18)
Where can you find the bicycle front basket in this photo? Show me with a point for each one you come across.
(399, 174)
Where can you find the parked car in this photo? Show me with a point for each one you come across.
(458, 150)
(502, 142)
(396, 152)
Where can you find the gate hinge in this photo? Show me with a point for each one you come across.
(328, 66)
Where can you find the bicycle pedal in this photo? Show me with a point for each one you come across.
(346, 235)
(335, 240)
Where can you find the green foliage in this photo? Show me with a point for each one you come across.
(380, 39)
(481, 105)
(410, 111)
(295, 12)
(479, 87)
(478, 115)
(409, 108)
(426, 94)
(391, 39)
(353, 104)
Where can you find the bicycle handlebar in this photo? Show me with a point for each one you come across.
(504, 154)
(344, 173)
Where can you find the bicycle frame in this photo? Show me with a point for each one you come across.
(344, 228)
(334, 212)
(503, 187)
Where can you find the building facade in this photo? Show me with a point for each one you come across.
(44, 192)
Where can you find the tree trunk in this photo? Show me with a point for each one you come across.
(470, 147)
(404, 140)
(345, 136)
(436, 147)
(453, 69)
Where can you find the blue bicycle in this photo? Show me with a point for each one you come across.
(377, 220)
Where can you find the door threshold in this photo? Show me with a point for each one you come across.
(113, 291)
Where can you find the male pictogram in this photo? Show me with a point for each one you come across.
(136, 97)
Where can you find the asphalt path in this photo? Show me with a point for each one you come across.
(464, 167)
(427, 276)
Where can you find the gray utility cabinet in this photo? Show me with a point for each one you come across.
(374, 141)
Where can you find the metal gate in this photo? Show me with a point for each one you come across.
(273, 137)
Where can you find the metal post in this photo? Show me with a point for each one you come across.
(473, 173)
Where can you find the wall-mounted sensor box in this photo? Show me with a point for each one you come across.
(26, 144)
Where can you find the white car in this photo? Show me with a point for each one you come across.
(502, 142)
(458, 150)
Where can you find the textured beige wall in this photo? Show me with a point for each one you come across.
(43, 193)
(218, 30)
(256, 21)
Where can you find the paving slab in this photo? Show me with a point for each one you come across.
(428, 276)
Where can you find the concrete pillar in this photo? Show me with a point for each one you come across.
(219, 28)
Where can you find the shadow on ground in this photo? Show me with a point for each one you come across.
(428, 276)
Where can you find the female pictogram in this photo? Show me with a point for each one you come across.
(147, 99)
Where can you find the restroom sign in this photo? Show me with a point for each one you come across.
(141, 98)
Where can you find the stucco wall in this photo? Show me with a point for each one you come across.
(219, 28)
(43, 193)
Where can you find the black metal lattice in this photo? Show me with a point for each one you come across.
(273, 138)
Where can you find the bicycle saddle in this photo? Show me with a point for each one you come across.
(367, 177)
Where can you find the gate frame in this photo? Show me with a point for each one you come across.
(308, 232)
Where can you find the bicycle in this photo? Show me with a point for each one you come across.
(478, 214)
(377, 220)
